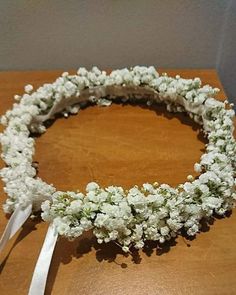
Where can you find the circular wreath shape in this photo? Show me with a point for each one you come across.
(155, 211)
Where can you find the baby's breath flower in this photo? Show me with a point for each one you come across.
(28, 88)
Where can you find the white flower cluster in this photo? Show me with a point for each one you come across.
(148, 213)
(132, 217)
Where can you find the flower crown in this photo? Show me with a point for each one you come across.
(151, 212)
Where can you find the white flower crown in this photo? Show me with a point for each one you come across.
(152, 212)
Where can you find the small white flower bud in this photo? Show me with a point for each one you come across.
(161, 239)
(92, 186)
(65, 74)
(125, 249)
(28, 88)
(197, 167)
(17, 97)
(190, 178)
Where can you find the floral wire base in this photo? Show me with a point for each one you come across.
(151, 212)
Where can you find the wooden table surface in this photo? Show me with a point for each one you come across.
(122, 145)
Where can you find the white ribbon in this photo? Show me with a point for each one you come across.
(39, 279)
(15, 222)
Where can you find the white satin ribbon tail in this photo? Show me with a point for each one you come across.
(39, 279)
(15, 222)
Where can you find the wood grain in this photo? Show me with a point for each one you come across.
(122, 145)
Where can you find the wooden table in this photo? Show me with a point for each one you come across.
(123, 145)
